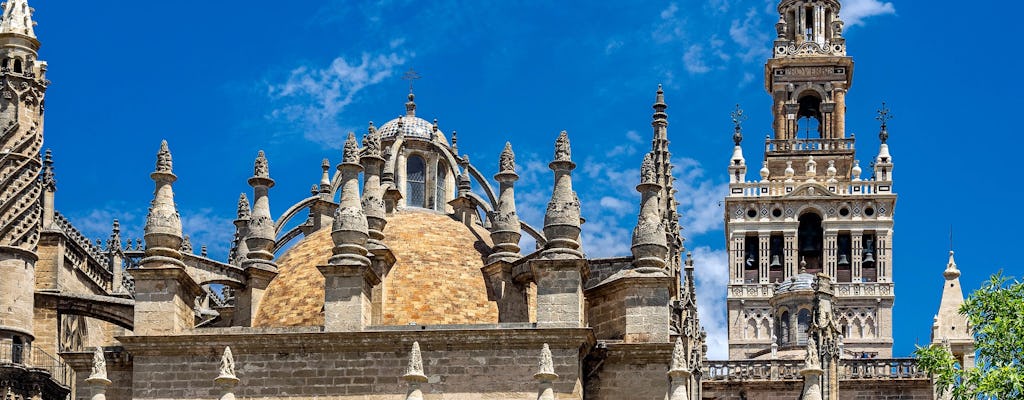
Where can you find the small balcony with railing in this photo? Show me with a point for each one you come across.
(19, 361)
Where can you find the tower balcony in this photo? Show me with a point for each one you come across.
(797, 146)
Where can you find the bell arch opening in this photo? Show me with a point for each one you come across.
(811, 236)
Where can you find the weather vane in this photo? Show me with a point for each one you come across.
(737, 119)
(412, 76)
(884, 116)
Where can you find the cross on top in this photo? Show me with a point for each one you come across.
(412, 76)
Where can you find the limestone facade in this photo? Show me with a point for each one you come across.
(413, 285)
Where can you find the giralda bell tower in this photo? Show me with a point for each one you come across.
(811, 212)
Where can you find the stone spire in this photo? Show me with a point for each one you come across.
(679, 373)
(414, 376)
(668, 204)
(241, 250)
(650, 246)
(350, 226)
(505, 229)
(18, 18)
(546, 375)
(325, 178)
(186, 245)
(163, 223)
(226, 378)
(49, 180)
(97, 380)
(373, 192)
(261, 236)
(562, 219)
(950, 326)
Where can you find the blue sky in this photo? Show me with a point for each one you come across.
(223, 79)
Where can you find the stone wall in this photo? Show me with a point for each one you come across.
(868, 389)
(460, 364)
(630, 371)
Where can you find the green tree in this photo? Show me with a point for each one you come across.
(996, 315)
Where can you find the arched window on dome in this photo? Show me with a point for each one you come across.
(783, 327)
(441, 186)
(803, 322)
(416, 181)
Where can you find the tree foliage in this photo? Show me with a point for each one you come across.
(996, 316)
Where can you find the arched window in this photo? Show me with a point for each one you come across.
(416, 181)
(783, 327)
(17, 65)
(17, 350)
(440, 191)
(810, 117)
(810, 237)
(803, 322)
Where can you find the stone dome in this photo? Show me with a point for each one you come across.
(798, 282)
(412, 126)
(435, 280)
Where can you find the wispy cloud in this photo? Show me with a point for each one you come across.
(313, 99)
(712, 275)
(693, 60)
(854, 12)
(699, 197)
(204, 227)
(750, 35)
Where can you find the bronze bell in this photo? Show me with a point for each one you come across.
(843, 260)
(775, 261)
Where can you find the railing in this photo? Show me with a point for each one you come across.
(870, 368)
(791, 145)
(774, 370)
(36, 359)
(781, 188)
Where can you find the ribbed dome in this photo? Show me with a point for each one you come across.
(436, 279)
(412, 126)
(794, 283)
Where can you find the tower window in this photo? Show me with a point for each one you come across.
(810, 113)
(17, 65)
(751, 260)
(803, 323)
(783, 327)
(844, 270)
(416, 181)
(440, 191)
(776, 260)
(810, 237)
(869, 269)
(809, 23)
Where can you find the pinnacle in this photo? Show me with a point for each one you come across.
(17, 18)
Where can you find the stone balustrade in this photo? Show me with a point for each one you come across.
(775, 370)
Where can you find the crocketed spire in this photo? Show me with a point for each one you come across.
(650, 246)
(261, 232)
(679, 373)
(163, 223)
(48, 178)
(414, 376)
(562, 219)
(546, 375)
(505, 230)
(226, 378)
(18, 18)
(244, 212)
(350, 228)
(373, 191)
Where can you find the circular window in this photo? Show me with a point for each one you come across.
(869, 211)
(777, 212)
(752, 213)
(844, 211)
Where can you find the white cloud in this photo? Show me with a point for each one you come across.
(670, 11)
(693, 60)
(617, 205)
(604, 237)
(634, 137)
(313, 99)
(752, 37)
(205, 228)
(699, 197)
(854, 12)
(613, 45)
(712, 275)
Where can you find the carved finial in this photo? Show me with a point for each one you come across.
(163, 159)
(414, 370)
(227, 365)
(884, 116)
(371, 142)
(952, 271)
(546, 365)
(562, 150)
(244, 212)
(49, 180)
(659, 108)
(507, 160)
(17, 18)
(261, 168)
(647, 173)
(738, 117)
(351, 152)
(99, 365)
(186, 245)
(455, 142)
(679, 362)
(202, 251)
(803, 265)
(812, 361)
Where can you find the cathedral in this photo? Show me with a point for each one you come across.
(403, 277)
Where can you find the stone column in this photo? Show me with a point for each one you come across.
(790, 253)
(840, 112)
(650, 246)
(561, 269)
(857, 253)
(164, 292)
(227, 380)
(97, 380)
(830, 253)
(505, 231)
(763, 256)
(546, 375)
(373, 194)
(349, 279)
(414, 376)
(259, 266)
(679, 373)
(812, 373)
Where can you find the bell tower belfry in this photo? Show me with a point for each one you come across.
(811, 214)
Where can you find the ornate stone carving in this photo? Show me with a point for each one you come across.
(507, 160)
